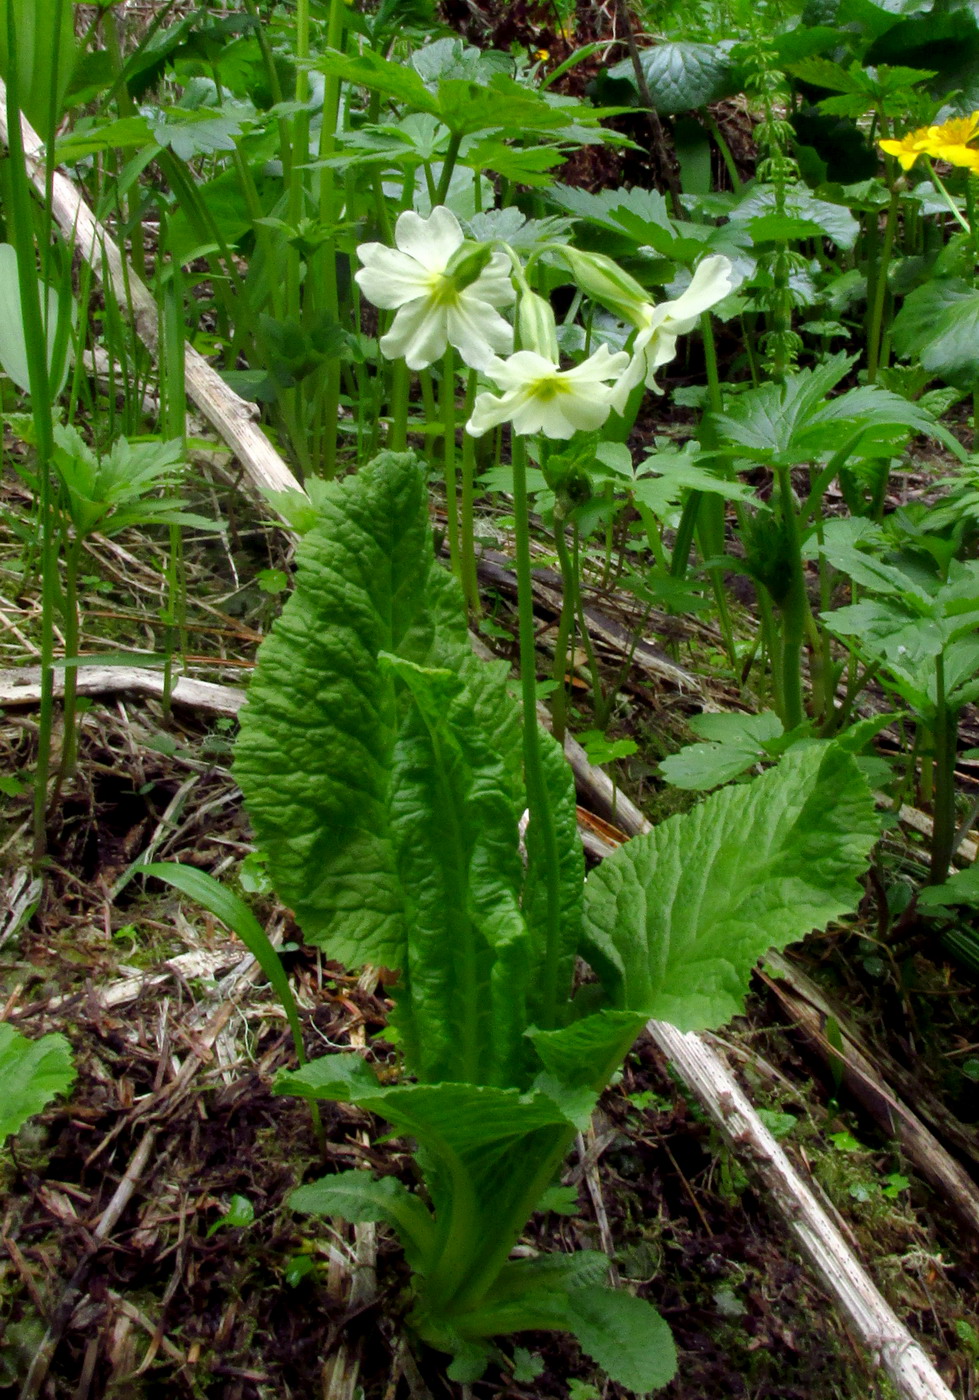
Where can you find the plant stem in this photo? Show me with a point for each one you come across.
(448, 165)
(559, 699)
(69, 747)
(943, 834)
(447, 411)
(794, 608)
(541, 816)
(398, 407)
(875, 330)
(470, 577)
(20, 221)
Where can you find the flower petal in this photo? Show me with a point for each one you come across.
(430, 241)
(494, 282)
(477, 331)
(627, 381)
(388, 278)
(519, 369)
(418, 333)
(710, 284)
(603, 364)
(489, 410)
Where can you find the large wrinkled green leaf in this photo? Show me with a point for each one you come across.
(32, 1072)
(381, 764)
(675, 920)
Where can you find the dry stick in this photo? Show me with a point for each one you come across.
(663, 154)
(707, 1074)
(22, 686)
(888, 1340)
(230, 416)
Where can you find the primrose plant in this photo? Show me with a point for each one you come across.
(386, 771)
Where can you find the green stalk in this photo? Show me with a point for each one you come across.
(571, 573)
(175, 426)
(398, 407)
(876, 328)
(943, 834)
(20, 221)
(326, 259)
(541, 817)
(467, 542)
(794, 609)
(559, 698)
(448, 165)
(447, 412)
(69, 747)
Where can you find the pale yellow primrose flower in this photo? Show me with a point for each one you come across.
(540, 398)
(432, 311)
(660, 326)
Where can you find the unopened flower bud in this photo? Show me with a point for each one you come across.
(536, 327)
(468, 263)
(601, 279)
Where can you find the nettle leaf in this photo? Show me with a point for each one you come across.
(960, 888)
(682, 75)
(32, 1073)
(735, 743)
(939, 324)
(834, 220)
(676, 919)
(797, 420)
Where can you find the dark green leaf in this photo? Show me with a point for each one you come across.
(681, 75)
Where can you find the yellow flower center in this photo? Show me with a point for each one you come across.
(442, 290)
(548, 387)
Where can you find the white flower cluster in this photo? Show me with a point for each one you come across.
(435, 309)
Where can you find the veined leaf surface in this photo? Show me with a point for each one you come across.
(381, 764)
(675, 920)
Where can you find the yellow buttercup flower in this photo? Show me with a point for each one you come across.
(948, 142)
(912, 145)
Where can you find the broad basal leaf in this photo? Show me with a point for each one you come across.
(13, 345)
(487, 1154)
(676, 919)
(381, 765)
(32, 1072)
